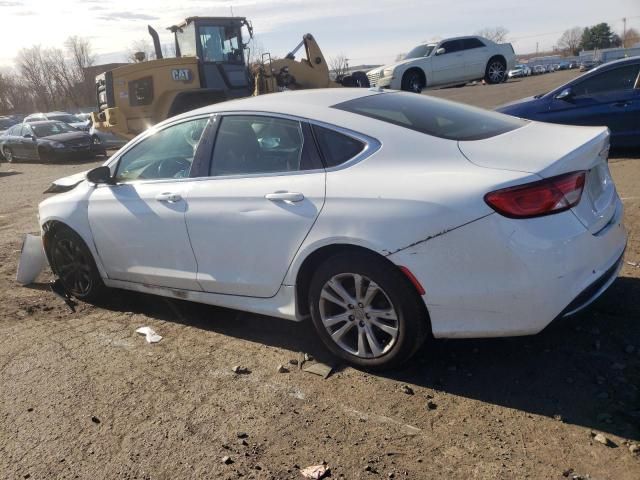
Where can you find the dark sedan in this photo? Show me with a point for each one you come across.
(608, 95)
(47, 141)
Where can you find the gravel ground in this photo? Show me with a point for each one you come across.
(83, 396)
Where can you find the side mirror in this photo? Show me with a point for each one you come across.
(100, 175)
(440, 51)
(565, 94)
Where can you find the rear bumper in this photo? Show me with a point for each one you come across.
(501, 277)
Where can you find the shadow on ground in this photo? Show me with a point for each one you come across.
(584, 370)
(9, 173)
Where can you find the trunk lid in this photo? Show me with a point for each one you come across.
(548, 150)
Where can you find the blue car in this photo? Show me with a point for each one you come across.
(608, 95)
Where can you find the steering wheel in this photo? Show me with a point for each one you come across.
(173, 168)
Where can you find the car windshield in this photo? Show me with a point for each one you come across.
(52, 128)
(433, 116)
(66, 118)
(420, 51)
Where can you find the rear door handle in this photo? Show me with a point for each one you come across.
(168, 197)
(288, 197)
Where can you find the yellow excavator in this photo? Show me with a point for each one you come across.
(209, 67)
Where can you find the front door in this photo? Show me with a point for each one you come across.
(247, 220)
(608, 98)
(449, 66)
(138, 225)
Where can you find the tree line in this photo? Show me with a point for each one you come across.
(596, 37)
(46, 79)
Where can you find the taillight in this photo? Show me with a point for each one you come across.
(545, 197)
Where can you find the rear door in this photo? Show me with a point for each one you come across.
(475, 57)
(450, 66)
(610, 98)
(247, 219)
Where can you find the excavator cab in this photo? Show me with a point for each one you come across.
(217, 43)
(209, 67)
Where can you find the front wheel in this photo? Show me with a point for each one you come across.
(413, 81)
(8, 155)
(72, 261)
(366, 311)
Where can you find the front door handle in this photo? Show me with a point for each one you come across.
(168, 197)
(288, 197)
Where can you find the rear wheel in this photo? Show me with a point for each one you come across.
(366, 311)
(413, 81)
(72, 261)
(496, 71)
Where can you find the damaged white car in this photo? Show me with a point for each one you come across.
(382, 216)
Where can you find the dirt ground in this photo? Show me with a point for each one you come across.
(83, 396)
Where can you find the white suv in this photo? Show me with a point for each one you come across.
(449, 62)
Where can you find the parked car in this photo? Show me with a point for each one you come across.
(6, 123)
(607, 95)
(519, 71)
(588, 65)
(106, 139)
(450, 62)
(539, 69)
(573, 65)
(287, 205)
(46, 140)
(65, 117)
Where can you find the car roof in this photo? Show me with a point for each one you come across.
(312, 104)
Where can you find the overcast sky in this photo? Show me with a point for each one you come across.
(366, 31)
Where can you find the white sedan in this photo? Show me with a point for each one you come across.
(384, 217)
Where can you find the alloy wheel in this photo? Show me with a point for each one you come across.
(496, 72)
(358, 315)
(72, 266)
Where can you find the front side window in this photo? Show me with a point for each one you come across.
(220, 44)
(452, 46)
(186, 37)
(247, 144)
(623, 78)
(432, 116)
(168, 153)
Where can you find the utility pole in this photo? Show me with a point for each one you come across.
(536, 49)
(624, 32)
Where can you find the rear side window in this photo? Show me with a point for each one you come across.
(470, 43)
(433, 116)
(336, 148)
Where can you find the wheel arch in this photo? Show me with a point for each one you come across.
(53, 224)
(497, 56)
(418, 70)
(316, 257)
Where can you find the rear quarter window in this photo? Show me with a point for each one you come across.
(432, 116)
(336, 148)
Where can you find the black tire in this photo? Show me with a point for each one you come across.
(360, 80)
(411, 322)
(7, 153)
(496, 71)
(72, 262)
(413, 81)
